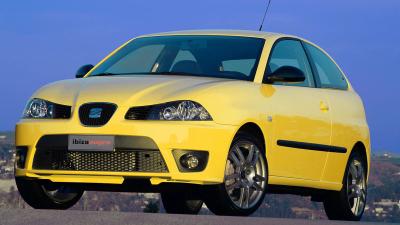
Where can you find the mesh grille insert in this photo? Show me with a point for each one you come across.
(117, 161)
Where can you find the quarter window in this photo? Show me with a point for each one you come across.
(290, 53)
(329, 74)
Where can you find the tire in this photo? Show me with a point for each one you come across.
(245, 182)
(46, 195)
(180, 203)
(349, 203)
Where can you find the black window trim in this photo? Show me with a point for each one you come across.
(317, 81)
(314, 83)
(315, 71)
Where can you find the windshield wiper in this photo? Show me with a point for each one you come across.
(174, 73)
(103, 74)
(153, 73)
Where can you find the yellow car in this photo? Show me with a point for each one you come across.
(220, 117)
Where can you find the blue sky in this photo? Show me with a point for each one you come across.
(44, 41)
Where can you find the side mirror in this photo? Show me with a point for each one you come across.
(83, 70)
(286, 74)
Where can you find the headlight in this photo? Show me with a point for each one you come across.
(42, 109)
(178, 110)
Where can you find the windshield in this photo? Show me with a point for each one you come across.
(201, 55)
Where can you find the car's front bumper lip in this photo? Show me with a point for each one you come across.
(184, 135)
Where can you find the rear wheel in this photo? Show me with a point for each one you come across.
(181, 203)
(349, 203)
(47, 195)
(245, 180)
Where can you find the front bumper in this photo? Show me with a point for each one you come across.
(183, 135)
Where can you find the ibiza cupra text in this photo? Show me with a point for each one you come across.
(216, 117)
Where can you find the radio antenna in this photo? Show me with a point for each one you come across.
(265, 14)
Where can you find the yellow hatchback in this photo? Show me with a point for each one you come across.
(215, 117)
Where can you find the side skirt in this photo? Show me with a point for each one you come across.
(317, 195)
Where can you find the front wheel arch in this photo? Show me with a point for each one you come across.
(218, 197)
(254, 130)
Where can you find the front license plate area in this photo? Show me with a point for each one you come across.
(91, 143)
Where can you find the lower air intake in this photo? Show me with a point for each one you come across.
(117, 161)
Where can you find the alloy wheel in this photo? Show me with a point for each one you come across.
(245, 174)
(356, 187)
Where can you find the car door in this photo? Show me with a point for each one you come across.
(300, 117)
(346, 111)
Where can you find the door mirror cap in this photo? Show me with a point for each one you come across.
(286, 74)
(83, 70)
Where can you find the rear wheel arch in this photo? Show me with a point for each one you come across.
(360, 148)
(349, 202)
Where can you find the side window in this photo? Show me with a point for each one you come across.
(290, 53)
(329, 74)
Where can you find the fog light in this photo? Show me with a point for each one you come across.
(20, 156)
(190, 160)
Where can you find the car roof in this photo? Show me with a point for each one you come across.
(243, 33)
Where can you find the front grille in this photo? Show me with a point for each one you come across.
(96, 114)
(117, 161)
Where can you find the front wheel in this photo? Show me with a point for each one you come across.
(349, 203)
(47, 195)
(245, 180)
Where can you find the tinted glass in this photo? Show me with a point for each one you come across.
(136, 61)
(182, 56)
(329, 74)
(290, 53)
(202, 55)
(238, 65)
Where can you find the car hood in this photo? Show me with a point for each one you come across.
(129, 90)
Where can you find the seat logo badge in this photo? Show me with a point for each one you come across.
(95, 113)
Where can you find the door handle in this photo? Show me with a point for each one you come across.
(323, 106)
